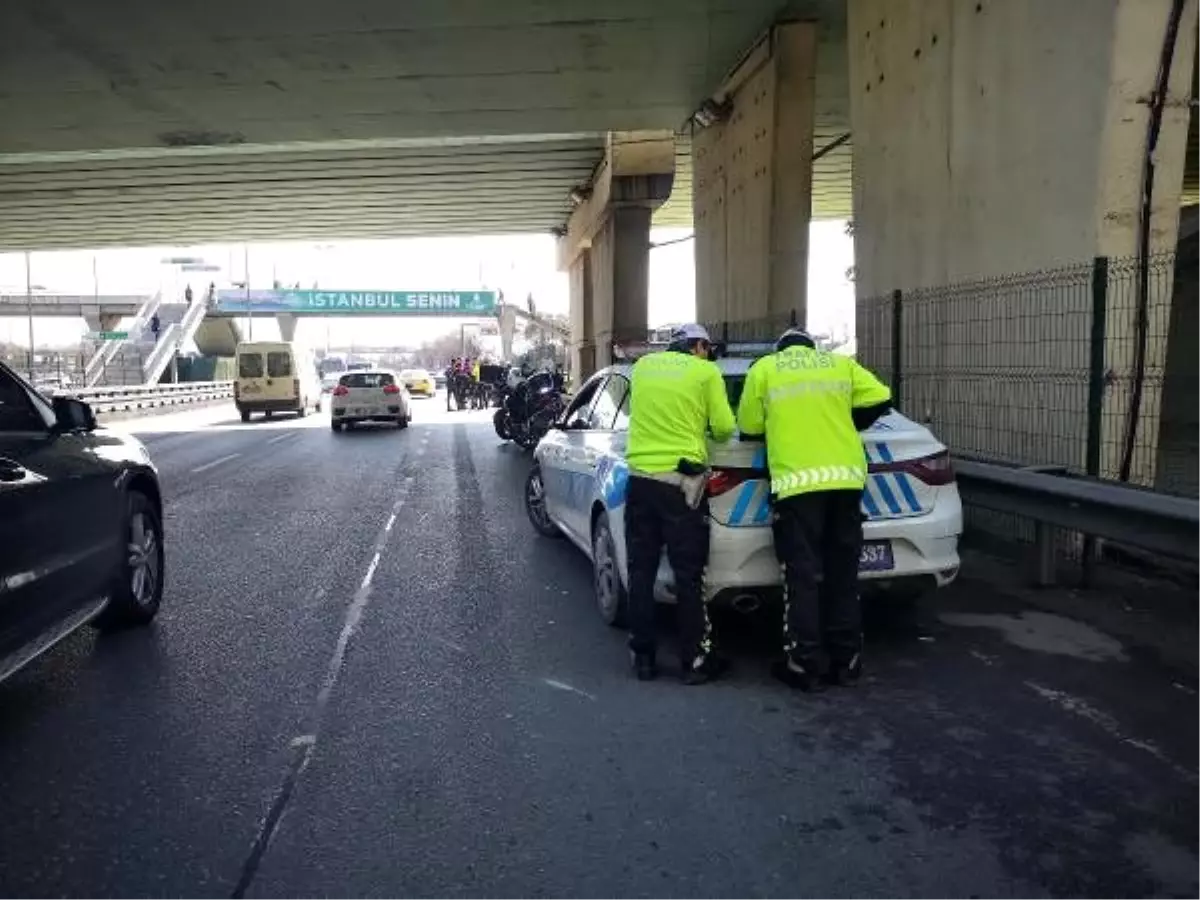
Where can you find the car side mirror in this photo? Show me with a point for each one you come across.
(71, 414)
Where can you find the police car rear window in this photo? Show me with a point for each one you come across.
(367, 380)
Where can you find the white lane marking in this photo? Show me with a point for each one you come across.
(282, 437)
(563, 686)
(390, 522)
(445, 643)
(1183, 687)
(1107, 723)
(215, 462)
(305, 744)
(366, 582)
(354, 614)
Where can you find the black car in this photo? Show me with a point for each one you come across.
(81, 537)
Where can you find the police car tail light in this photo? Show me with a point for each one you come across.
(390, 389)
(341, 391)
(722, 481)
(934, 470)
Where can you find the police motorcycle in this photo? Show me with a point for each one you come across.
(529, 410)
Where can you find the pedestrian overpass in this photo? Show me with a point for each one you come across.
(218, 334)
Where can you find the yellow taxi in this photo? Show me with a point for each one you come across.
(418, 381)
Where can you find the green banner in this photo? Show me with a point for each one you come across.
(109, 335)
(304, 302)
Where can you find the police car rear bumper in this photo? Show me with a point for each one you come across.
(742, 560)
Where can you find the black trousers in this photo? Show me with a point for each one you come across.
(820, 533)
(656, 514)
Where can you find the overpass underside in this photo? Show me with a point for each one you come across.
(213, 123)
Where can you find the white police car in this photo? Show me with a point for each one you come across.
(912, 511)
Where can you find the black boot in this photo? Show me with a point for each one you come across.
(798, 676)
(705, 668)
(644, 666)
(846, 674)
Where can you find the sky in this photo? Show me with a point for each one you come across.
(518, 265)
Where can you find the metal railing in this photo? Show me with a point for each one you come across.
(170, 342)
(1053, 499)
(120, 398)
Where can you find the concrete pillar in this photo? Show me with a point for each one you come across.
(620, 270)
(606, 247)
(287, 326)
(507, 317)
(752, 193)
(1003, 137)
(583, 343)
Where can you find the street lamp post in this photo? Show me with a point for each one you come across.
(246, 272)
(29, 308)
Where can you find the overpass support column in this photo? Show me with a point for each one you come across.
(999, 138)
(507, 317)
(752, 149)
(606, 248)
(287, 326)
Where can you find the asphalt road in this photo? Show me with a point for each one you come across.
(370, 678)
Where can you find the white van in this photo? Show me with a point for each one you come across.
(275, 376)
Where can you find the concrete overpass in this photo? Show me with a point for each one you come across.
(210, 122)
(989, 137)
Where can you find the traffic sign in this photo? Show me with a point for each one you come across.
(323, 303)
(108, 335)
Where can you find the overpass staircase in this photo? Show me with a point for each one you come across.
(111, 360)
(140, 358)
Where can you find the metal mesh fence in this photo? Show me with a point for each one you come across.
(1061, 368)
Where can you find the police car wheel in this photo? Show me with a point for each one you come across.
(611, 599)
(535, 504)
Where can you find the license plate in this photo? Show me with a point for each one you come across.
(876, 556)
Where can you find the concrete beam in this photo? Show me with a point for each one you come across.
(606, 247)
(638, 169)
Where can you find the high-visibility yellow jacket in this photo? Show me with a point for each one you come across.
(802, 400)
(675, 398)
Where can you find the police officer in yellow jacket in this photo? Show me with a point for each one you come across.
(675, 398)
(810, 405)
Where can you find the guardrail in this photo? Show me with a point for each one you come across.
(1157, 523)
(122, 398)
